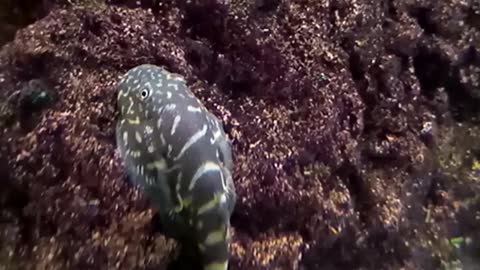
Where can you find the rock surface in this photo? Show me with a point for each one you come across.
(355, 127)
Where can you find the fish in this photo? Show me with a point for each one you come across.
(177, 153)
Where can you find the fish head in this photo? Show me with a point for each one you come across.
(142, 89)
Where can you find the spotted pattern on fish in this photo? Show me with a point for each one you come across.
(176, 151)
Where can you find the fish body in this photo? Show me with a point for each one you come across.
(177, 152)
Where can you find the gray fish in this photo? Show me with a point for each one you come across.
(177, 152)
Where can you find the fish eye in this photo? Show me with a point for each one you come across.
(145, 93)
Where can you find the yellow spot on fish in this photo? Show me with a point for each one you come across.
(216, 266)
(175, 86)
(135, 153)
(123, 93)
(135, 121)
(215, 237)
(176, 121)
(151, 148)
(169, 148)
(228, 233)
(138, 137)
(209, 205)
(476, 165)
(148, 129)
(179, 179)
(159, 165)
(187, 201)
(193, 109)
(179, 207)
(179, 182)
(204, 168)
(162, 139)
(182, 203)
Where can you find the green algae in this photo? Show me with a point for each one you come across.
(457, 155)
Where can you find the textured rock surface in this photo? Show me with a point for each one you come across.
(355, 130)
